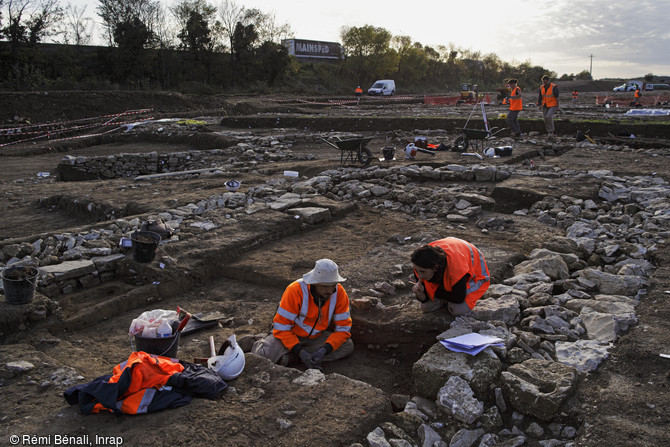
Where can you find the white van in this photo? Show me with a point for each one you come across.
(629, 86)
(384, 87)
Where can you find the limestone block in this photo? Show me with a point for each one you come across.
(538, 387)
(435, 367)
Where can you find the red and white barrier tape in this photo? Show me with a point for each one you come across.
(48, 134)
(21, 129)
(328, 102)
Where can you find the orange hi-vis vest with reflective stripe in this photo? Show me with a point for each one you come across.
(359, 90)
(462, 258)
(149, 373)
(298, 316)
(548, 98)
(515, 101)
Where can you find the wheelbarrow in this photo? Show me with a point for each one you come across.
(352, 148)
(477, 136)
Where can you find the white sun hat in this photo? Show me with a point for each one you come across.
(325, 271)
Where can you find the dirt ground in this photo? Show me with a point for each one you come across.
(242, 267)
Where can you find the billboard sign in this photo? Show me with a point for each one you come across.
(313, 49)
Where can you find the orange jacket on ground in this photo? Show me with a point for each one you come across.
(462, 258)
(515, 101)
(148, 374)
(298, 316)
(548, 98)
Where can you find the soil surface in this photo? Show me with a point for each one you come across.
(241, 268)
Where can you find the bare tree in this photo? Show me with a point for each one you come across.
(42, 21)
(267, 27)
(230, 13)
(164, 28)
(78, 29)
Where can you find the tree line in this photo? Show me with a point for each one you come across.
(198, 47)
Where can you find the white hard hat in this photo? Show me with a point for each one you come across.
(230, 364)
(232, 185)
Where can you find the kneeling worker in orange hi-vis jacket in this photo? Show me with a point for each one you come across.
(308, 309)
(449, 271)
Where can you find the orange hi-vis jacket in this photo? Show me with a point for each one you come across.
(548, 98)
(462, 258)
(515, 101)
(148, 374)
(359, 90)
(298, 316)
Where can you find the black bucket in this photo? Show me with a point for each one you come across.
(163, 346)
(145, 245)
(19, 284)
(388, 153)
(503, 151)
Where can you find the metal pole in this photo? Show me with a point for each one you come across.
(486, 121)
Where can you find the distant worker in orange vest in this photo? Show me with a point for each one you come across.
(548, 103)
(575, 95)
(449, 271)
(515, 106)
(359, 92)
(638, 94)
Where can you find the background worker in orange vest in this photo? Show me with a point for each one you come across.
(515, 106)
(548, 103)
(358, 91)
(637, 95)
(308, 309)
(449, 271)
(575, 95)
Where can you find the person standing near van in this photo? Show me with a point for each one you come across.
(515, 106)
(548, 103)
(358, 92)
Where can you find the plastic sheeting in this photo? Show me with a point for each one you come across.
(648, 112)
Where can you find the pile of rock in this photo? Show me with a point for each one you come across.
(558, 316)
(73, 168)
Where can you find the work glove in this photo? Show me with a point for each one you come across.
(306, 358)
(317, 357)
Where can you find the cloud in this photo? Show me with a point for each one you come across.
(625, 37)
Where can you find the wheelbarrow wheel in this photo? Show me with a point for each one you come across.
(365, 156)
(461, 144)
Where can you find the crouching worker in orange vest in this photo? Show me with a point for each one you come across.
(307, 309)
(449, 271)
